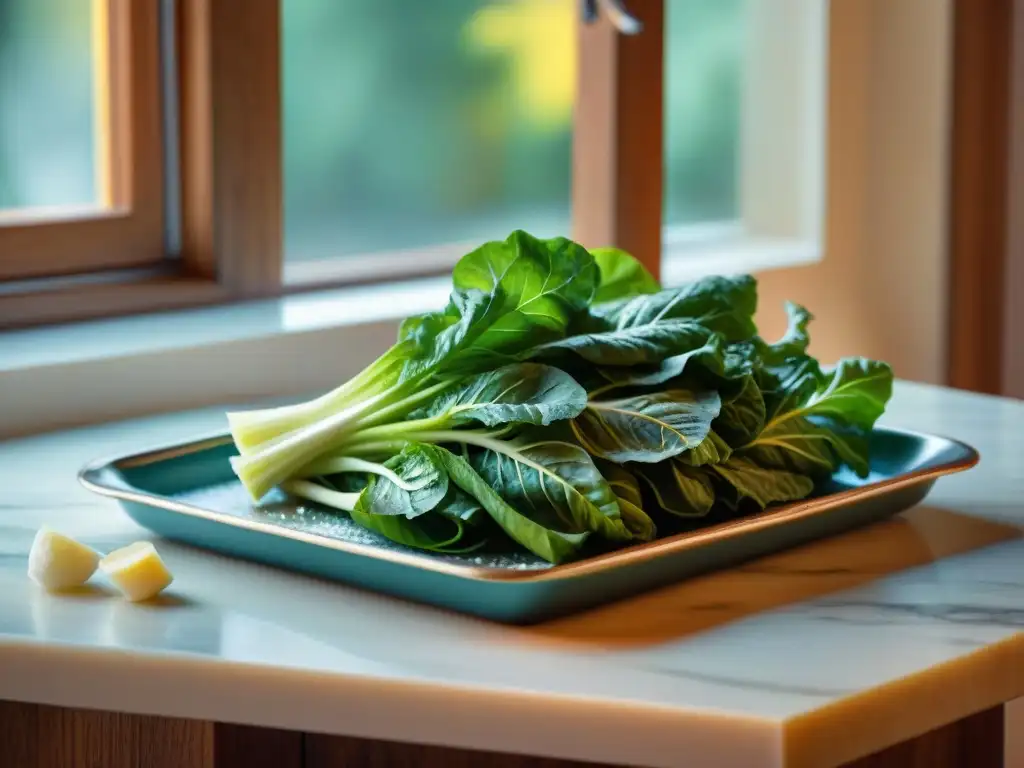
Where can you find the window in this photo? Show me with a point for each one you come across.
(81, 184)
(47, 106)
(745, 86)
(412, 125)
(231, 149)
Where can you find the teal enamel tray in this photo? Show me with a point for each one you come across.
(188, 492)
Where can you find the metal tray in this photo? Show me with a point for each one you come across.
(189, 493)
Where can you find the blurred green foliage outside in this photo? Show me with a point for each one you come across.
(405, 123)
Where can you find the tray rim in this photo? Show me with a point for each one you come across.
(669, 545)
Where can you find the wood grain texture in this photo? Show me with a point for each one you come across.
(980, 165)
(35, 736)
(618, 136)
(125, 227)
(230, 76)
(245, 746)
(974, 742)
(344, 752)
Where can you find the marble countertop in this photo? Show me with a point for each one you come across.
(810, 657)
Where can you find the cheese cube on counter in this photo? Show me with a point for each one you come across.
(137, 571)
(58, 562)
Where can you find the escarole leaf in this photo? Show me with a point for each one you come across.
(430, 532)
(712, 450)
(553, 546)
(708, 355)
(538, 285)
(647, 329)
(856, 392)
(646, 428)
(525, 393)
(555, 484)
(438, 338)
(812, 433)
(460, 505)
(627, 490)
(760, 485)
(741, 418)
(426, 485)
(722, 304)
(636, 345)
(621, 275)
(680, 489)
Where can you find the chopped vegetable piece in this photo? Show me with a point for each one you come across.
(58, 562)
(137, 571)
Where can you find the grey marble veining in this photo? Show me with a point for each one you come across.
(918, 618)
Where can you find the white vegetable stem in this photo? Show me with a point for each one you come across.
(315, 492)
(338, 464)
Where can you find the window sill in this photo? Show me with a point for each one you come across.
(83, 373)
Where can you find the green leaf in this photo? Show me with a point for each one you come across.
(812, 431)
(712, 450)
(647, 329)
(621, 275)
(680, 489)
(524, 393)
(551, 545)
(537, 285)
(763, 486)
(795, 444)
(460, 505)
(435, 340)
(646, 428)
(856, 392)
(722, 304)
(555, 484)
(416, 465)
(629, 346)
(430, 532)
(743, 416)
(796, 339)
(708, 355)
(627, 490)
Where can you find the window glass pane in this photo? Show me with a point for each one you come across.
(47, 134)
(704, 45)
(409, 124)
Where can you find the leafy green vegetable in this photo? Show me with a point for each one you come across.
(524, 393)
(553, 546)
(563, 400)
(431, 532)
(425, 484)
(760, 485)
(621, 276)
(812, 432)
(627, 490)
(742, 418)
(633, 345)
(555, 484)
(646, 428)
(722, 304)
(680, 489)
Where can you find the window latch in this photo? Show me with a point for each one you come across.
(622, 19)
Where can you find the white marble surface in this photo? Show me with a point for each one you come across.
(807, 658)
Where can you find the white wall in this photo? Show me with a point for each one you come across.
(880, 289)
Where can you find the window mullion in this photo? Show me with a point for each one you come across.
(618, 141)
(231, 154)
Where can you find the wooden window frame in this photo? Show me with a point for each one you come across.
(230, 145)
(231, 218)
(125, 229)
(986, 227)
